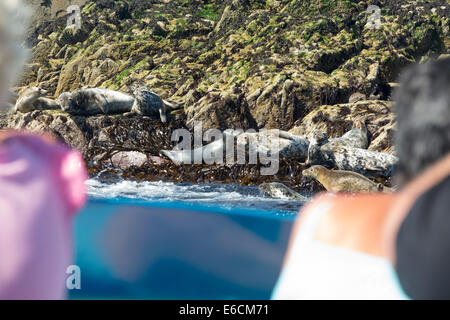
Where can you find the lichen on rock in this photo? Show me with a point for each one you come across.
(296, 65)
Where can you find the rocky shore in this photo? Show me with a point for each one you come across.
(299, 66)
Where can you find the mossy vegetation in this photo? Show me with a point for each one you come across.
(186, 49)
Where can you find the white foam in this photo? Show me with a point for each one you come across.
(224, 195)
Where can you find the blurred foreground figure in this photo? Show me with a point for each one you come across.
(41, 187)
(343, 246)
(417, 230)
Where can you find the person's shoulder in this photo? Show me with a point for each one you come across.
(351, 221)
(338, 205)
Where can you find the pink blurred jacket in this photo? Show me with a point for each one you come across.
(41, 187)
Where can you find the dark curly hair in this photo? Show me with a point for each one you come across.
(422, 106)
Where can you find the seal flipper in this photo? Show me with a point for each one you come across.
(162, 114)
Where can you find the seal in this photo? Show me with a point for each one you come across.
(349, 152)
(147, 103)
(92, 101)
(317, 139)
(212, 152)
(357, 137)
(342, 181)
(280, 191)
(274, 141)
(365, 162)
(32, 99)
(271, 142)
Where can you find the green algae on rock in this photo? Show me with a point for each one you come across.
(295, 65)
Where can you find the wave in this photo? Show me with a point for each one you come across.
(223, 195)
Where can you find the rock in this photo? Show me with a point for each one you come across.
(221, 110)
(59, 125)
(127, 159)
(103, 72)
(158, 160)
(40, 53)
(277, 105)
(72, 36)
(356, 97)
(383, 138)
(330, 58)
(289, 65)
(29, 75)
(73, 75)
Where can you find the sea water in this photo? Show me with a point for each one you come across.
(160, 240)
(225, 196)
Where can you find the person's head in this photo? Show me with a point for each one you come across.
(422, 106)
(13, 17)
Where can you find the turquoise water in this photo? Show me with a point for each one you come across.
(166, 241)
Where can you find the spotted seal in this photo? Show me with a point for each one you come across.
(92, 101)
(349, 152)
(366, 162)
(280, 191)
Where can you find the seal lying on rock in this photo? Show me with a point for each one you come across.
(357, 137)
(342, 181)
(208, 153)
(32, 99)
(268, 143)
(273, 141)
(280, 191)
(349, 153)
(147, 103)
(92, 101)
(363, 161)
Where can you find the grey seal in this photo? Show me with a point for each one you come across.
(92, 101)
(209, 153)
(349, 153)
(363, 161)
(274, 141)
(33, 99)
(148, 103)
(357, 137)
